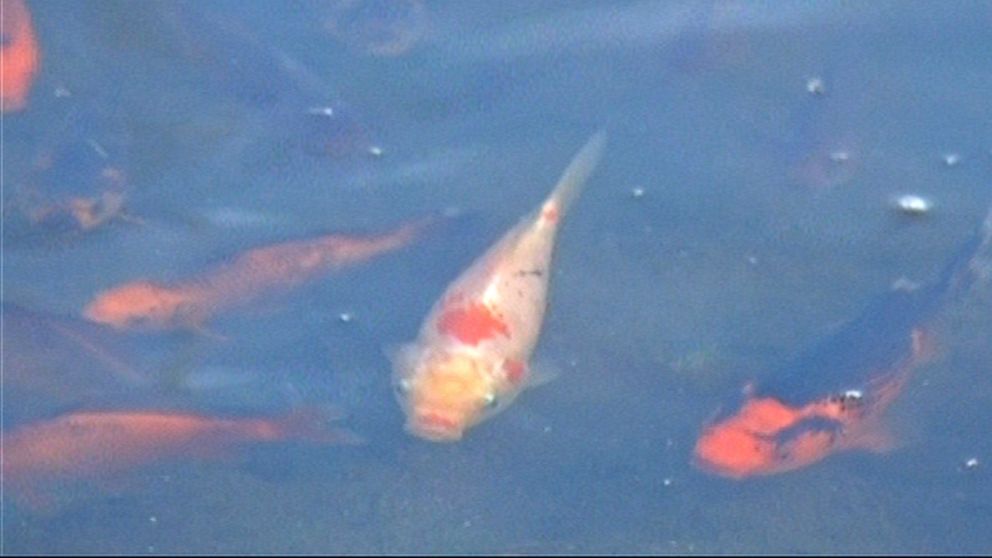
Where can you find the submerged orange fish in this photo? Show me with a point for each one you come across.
(832, 399)
(19, 55)
(471, 357)
(100, 444)
(250, 275)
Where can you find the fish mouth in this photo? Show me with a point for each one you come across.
(435, 428)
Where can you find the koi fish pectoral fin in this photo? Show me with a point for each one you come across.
(401, 356)
(541, 373)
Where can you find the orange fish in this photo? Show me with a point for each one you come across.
(832, 399)
(254, 273)
(19, 55)
(101, 444)
(471, 357)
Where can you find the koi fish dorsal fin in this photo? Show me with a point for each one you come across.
(574, 177)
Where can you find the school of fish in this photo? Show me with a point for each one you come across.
(471, 358)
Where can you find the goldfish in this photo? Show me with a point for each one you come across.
(19, 55)
(189, 303)
(303, 112)
(833, 397)
(470, 359)
(103, 444)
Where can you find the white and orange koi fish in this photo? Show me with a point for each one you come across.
(470, 359)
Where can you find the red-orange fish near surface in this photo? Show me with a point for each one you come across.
(471, 357)
(833, 397)
(19, 55)
(149, 304)
(40, 457)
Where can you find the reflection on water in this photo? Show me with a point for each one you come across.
(742, 213)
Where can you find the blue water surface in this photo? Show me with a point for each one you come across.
(744, 209)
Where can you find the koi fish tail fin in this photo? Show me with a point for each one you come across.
(570, 184)
(311, 424)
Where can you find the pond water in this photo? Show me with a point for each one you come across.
(746, 207)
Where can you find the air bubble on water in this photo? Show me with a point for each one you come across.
(815, 86)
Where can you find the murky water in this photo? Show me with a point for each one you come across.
(742, 212)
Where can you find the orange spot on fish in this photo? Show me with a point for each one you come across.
(19, 56)
(472, 324)
(550, 213)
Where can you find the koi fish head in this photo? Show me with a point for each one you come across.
(445, 394)
(141, 303)
(767, 436)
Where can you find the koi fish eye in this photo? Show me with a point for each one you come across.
(490, 401)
